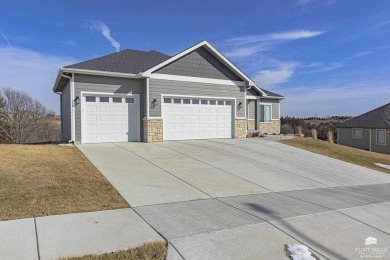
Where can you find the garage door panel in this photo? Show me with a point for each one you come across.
(212, 119)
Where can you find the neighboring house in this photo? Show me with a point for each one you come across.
(370, 131)
(149, 96)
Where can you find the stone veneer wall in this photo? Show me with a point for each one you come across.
(270, 128)
(241, 128)
(251, 124)
(153, 130)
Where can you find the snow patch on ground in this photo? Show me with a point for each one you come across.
(299, 252)
(383, 165)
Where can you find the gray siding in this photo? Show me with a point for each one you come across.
(380, 148)
(199, 63)
(111, 85)
(275, 106)
(65, 113)
(345, 138)
(170, 87)
(251, 106)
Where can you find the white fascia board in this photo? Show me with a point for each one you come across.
(272, 97)
(57, 81)
(196, 79)
(101, 73)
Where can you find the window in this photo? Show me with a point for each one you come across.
(195, 101)
(228, 103)
(177, 101)
(213, 102)
(381, 136)
(186, 101)
(220, 102)
(357, 133)
(130, 100)
(90, 99)
(167, 100)
(117, 99)
(104, 99)
(265, 115)
(204, 102)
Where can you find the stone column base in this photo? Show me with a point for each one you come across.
(153, 130)
(241, 128)
(272, 127)
(251, 124)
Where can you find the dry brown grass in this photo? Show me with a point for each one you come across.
(39, 180)
(148, 251)
(344, 153)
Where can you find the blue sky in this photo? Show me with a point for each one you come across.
(327, 57)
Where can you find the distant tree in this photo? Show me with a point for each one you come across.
(22, 118)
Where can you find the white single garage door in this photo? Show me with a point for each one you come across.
(110, 119)
(193, 118)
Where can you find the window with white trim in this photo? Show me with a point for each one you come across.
(357, 133)
(265, 113)
(381, 136)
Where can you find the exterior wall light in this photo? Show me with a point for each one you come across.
(154, 103)
(76, 101)
(239, 106)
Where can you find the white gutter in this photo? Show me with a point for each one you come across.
(101, 73)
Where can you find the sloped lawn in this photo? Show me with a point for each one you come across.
(40, 180)
(341, 152)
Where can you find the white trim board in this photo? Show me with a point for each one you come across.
(196, 79)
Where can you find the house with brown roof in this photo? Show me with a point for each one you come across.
(369, 131)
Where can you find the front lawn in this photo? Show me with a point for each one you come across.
(40, 180)
(341, 152)
(148, 251)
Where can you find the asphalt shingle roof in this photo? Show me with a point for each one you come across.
(377, 118)
(126, 61)
(269, 93)
(130, 61)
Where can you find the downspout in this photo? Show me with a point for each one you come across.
(369, 141)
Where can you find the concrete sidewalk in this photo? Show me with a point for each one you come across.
(77, 234)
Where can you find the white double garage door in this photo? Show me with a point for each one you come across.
(196, 118)
(109, 118)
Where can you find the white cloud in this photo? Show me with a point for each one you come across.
(105, 31)
(278, 36)
(5, 39)
(275, 76)
(241, 47)
(32, 72)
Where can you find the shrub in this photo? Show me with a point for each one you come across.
(314, 134)
(330, 136)
(286, 129)
(299, 131)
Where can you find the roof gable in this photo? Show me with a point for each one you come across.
(126, 61)
(199, 63)
(377, 118)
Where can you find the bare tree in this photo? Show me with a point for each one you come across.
(22, 118)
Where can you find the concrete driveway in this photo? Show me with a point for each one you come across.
(246, 199)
